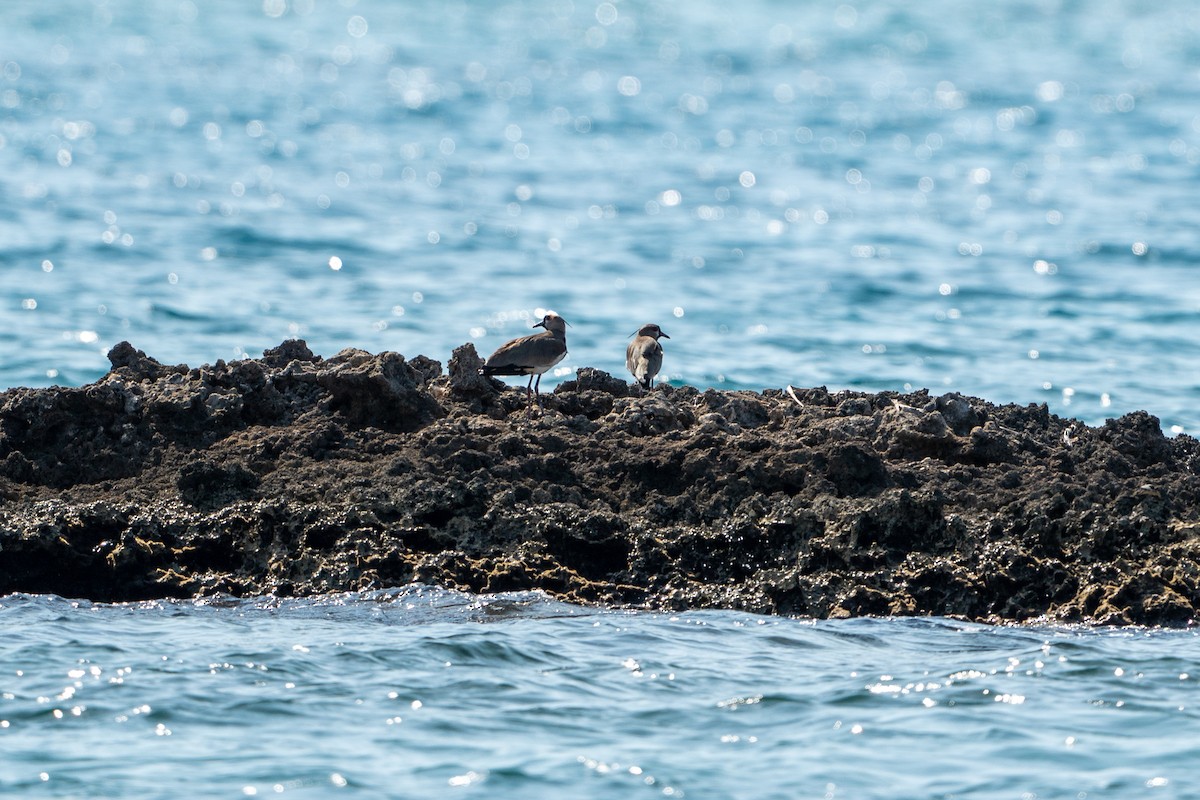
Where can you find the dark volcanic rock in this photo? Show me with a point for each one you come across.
(295, 474)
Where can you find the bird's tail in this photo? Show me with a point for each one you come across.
(502, 369)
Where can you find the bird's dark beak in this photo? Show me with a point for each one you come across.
(541, 324)
(663, 335)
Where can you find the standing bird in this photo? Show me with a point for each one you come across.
(644, 355)
(531, 355)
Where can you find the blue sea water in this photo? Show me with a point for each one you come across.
(997, 199)
(427, 693)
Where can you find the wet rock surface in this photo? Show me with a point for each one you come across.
(295, 474)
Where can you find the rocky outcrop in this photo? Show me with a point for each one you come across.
(295, 474)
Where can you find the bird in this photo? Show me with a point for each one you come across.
(644, 355)
(531, 355)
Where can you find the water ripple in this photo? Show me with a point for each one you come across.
(416, 690)
(785, 187)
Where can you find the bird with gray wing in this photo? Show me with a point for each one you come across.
(531, 355)
(644, 355)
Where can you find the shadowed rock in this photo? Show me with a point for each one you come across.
(294, 474)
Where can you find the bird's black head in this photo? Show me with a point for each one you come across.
(552, 322)
(650, 329)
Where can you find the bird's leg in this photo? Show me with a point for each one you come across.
(529, 398)
(533, 395)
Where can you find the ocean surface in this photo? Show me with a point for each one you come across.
(995, 199)
(421, 693)
(998, 200)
